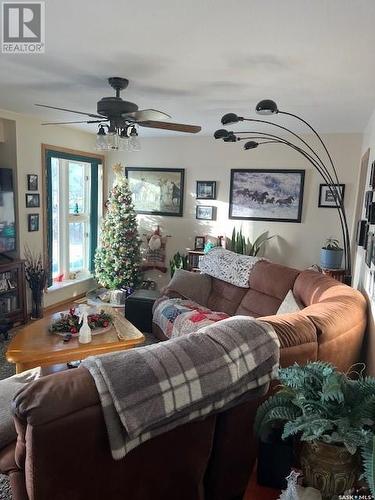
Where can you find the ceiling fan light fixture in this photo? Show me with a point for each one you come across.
(134, 143)
(101, 139)
(266, 107)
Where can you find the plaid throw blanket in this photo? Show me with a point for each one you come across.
(148, 391)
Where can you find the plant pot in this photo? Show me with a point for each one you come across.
(329, 468)
(331, 259)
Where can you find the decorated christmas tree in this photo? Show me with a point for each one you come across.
(117, 259)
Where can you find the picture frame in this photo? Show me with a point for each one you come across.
(199, 242)
(32, 222)
(326, 198)
(372, 176)
(266, 194)
(157, 191)
(205, 212)
(368, 201)
(32, 182)
(205, 190)
(369, 249)
(32, 200)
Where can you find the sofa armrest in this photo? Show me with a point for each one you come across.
(297, 336)
(55, 396)
(292, 329)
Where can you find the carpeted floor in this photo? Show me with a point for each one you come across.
(8, 369)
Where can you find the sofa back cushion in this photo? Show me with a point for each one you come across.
(269, 284)
(225, 297)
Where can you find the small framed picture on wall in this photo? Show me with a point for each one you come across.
(205, 212)
(33, 222)
(32, 182)
(32, 200)
(368, 201)
(327, 199)
(199, 243)
(206, 190)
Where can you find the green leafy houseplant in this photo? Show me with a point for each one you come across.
(240, 244)
(332, 244)
(178, 261)
(322, 405)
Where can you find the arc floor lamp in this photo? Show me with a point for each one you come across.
(326, 168)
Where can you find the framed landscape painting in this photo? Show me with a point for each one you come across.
(266, 194)
(157, 191)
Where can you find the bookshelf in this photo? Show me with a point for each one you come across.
(13, 291)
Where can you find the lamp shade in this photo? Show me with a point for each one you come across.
(251, 145)
(221, 133)
(266, 107)
(230, 138)
(231, 118)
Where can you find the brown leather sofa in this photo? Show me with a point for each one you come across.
(62, 450)
(330, 327)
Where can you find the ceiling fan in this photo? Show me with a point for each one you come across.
(120, 117)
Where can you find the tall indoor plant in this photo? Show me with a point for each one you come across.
(333, 416)
(240, 244)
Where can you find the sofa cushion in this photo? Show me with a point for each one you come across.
(177, 317)
(289, 305)
(194, 286)
(273, 279)
(225, 297)
(258, 304)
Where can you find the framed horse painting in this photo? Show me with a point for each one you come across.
(264, 194)
(157, 191)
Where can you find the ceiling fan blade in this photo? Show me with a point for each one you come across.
(91, 115)
(66, 123)
(143, 115)
(178, 127)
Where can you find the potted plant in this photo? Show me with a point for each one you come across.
(334, 418)
(331, 254)
(240, 244)
(178, 261)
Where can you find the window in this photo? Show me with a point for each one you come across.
(74, 212)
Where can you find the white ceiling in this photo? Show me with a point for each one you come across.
(199, 59)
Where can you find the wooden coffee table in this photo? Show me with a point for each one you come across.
(34, 345)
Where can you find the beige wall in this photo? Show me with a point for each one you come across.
(30, 136)
(206, 159)
(362, 273)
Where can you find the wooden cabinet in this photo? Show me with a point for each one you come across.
(13, 291)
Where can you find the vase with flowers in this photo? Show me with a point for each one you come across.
(36, 276)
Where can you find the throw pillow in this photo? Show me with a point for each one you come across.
(289, 304)
(193, 286)
(8, 389)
